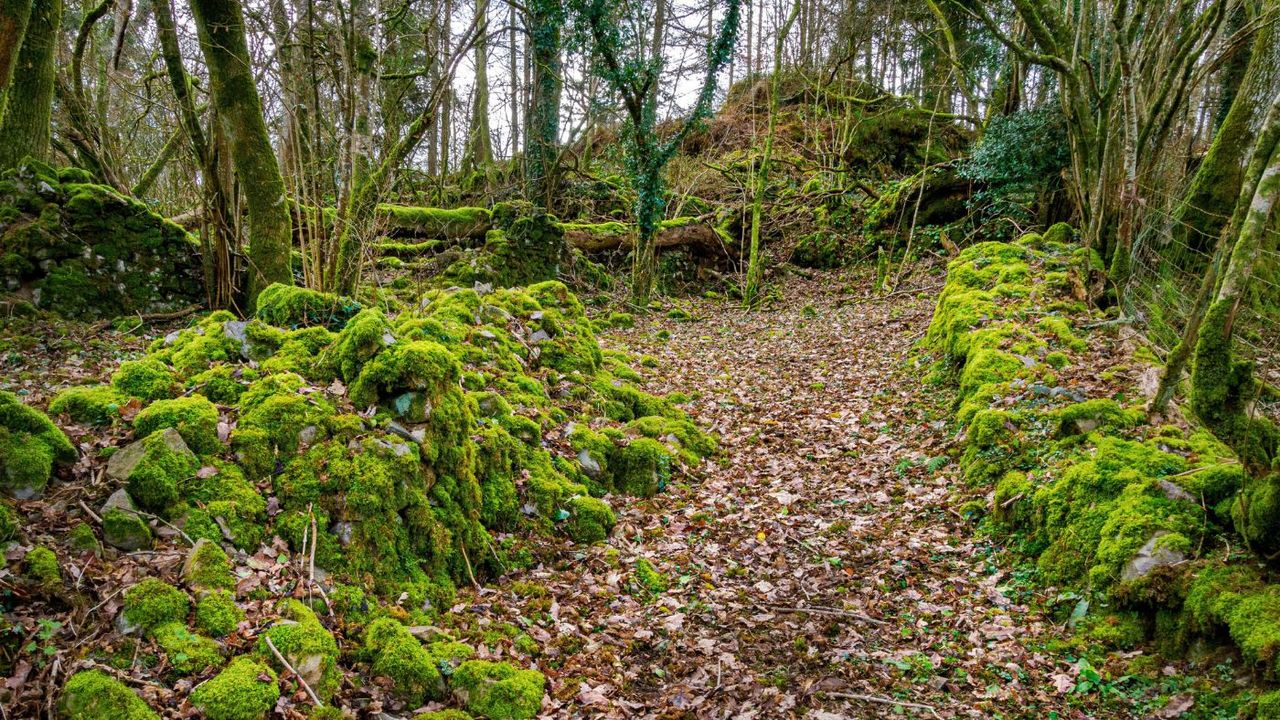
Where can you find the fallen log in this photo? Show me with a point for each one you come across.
(693, 232)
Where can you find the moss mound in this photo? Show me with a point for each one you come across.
(30, 446)
(244, 690)
(84, 250)
(499, 691)
(93, 695)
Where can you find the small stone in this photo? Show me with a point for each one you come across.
(122, 527)
(589, 464)
(539, 336)
(1173, 491)
(235, 331)
(308, 434)
(1150, 557)
(343, 531)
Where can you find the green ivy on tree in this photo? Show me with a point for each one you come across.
(624, 62)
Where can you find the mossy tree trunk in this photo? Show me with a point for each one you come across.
(479, 154)
(1223, 388)
(755, 264)
(1216, 189)
(1202, 214)
(220, 24)
(14, 15)
(215, 236)
(542, 130)
(27, 119)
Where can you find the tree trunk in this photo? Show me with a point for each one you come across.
(479, 153)
(14, 15)
(542, 133)
(27, 119)
(220, 24)
(1201, 215)
(755, 264)
(216, 237)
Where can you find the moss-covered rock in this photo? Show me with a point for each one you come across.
(89, 404)
(30, 446)
(499, 691)
(244, 690)
(218, 614)
(290, 306)
(40, 567)
(147, 379)
(186, 651)
(194, 417)
(153, 468)
(95, 695)
(122, 527)
(207, 567)
(153, 602)
(307, 645)
(398, 656)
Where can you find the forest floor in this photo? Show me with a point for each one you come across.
(820, 568)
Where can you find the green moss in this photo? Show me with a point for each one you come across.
(649, 578)
(153, 602)
(208, 567)
(226, 495)
(95, 695)
(187, 652)
(499, 691)
(399, 656)
(1121, 631)
(164, 465)
(89, 404)
(222, 384)
(303, 641)
(40, 566)
(218, 614)
(83, 539)
(443, 715)
(245, 690)
(590, 519)
(1093, 415)
(291, 306)
(641, 468)
(30, 446)
(1060, 329)
(1269, 706)
(9, 522)
(194, 417)
(147, 379)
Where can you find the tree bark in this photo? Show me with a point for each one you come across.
(220, 24)
(27, 119)
(1201, 216)
(542, 133)
(14, 15)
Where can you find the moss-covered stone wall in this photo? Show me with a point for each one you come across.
(1132, 522)
(85, 251)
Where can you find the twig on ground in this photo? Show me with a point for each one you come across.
(819, 610)
(882, 700)
(311, 693)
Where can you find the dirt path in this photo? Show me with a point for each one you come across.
(821, 559)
